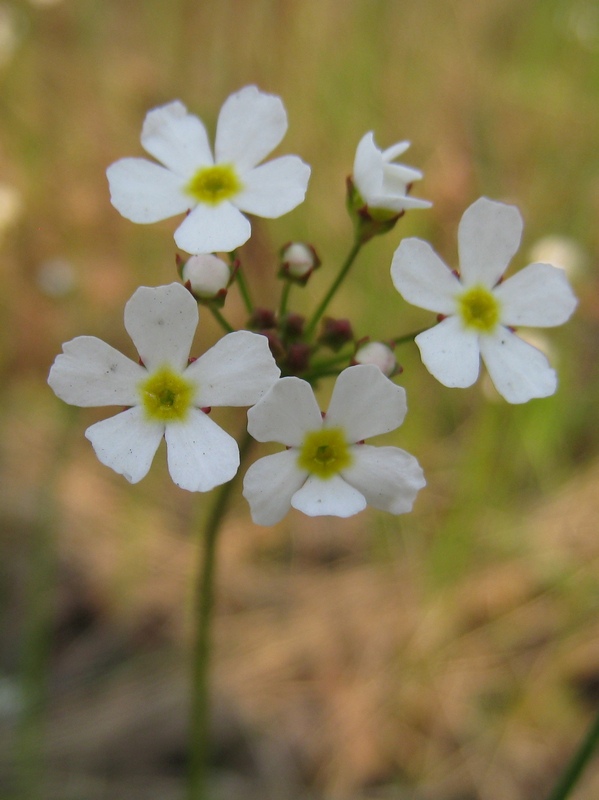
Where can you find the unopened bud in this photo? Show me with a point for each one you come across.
(206, 274)
(336, 332)
(292, 326)
(378, 354)
(298, 358)
(298, 261)
(262, 319)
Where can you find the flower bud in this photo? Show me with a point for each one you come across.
(298, 358)
(378, 354)
(292, 326)
(335, 333)
(298, 261)
(206, 276)
(262, 319)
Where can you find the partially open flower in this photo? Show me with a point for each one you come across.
(382, 184)
(165, 394)
(326, 468)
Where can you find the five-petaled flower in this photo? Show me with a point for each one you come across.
(164, 393)
(383, 185)
(214, 189)
(480, 310)
(327, 469)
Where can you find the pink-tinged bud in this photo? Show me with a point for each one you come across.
(336, 332)
(298, 358)
(298, 261)
(292, 326)
(378, 354)
(261, 319)
(205, 275)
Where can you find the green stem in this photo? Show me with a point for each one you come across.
(40, 587)
(220, 319)
(284, 299)
(245, 292)
(570, 776)
(199, 744)
(408, 337)
(345, 267)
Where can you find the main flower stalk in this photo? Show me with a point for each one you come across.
(199, 736)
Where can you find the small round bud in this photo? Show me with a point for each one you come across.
(298, 358)
(335, 333)
(292, 326)
(206, 274)
(262, 319)
(378, 354)
(298, 261)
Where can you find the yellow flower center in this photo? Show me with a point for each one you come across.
(212, 185)
(324, 453)
(479, 309)
(166, 396)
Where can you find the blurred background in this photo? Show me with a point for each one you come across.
(450, 654)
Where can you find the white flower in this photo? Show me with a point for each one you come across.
(216, 188)
(480, 310)
(381, 183)
(207, 275)
(378, 354)
(165, 394)
(327, 470)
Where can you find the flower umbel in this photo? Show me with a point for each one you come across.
(480, 310)
(217, 188)
(327, 469)
(165, 394)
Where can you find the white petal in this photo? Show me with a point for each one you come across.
(391, 153)
(274, 188)
(538, 295)
(518, 370)
(250, 125)
(177, 139)
(389, 478)
(450, 353)
(422, 278)
(368, 168)
(126, 443)
(269, 485)
(365, 403)
(488, 236)
(92, 373)
(237, 371)
(201, 455)
(209, 229)
(397, 202)
(145, 192)
(286, 413)
(162, 323)
(333, 497)
(396, 177)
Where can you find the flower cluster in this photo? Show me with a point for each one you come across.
(326, 468)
